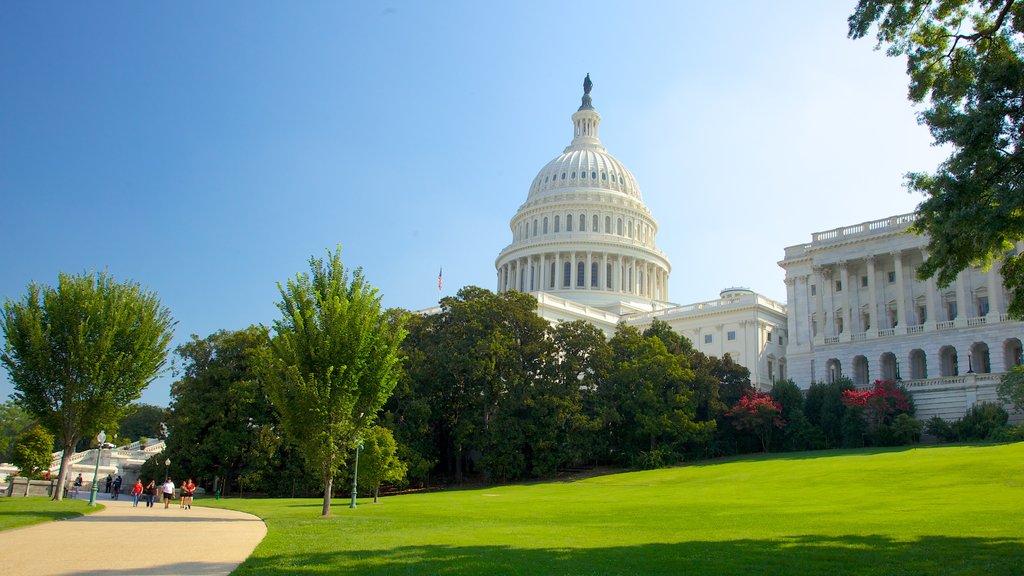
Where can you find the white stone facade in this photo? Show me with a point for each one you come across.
(857, 309)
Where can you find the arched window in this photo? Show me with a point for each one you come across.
(618, 226)
(607, 224)
(594, 228)
(556, 224)
(567, 271)
(593, 274)
(568, 222)
(860, 370)
(833, 369)
(534, 226)
(580, 269)
(630, 228)
(563, 175)
(918, 364)
(888, 360)
(1013, 353)
(583, 223)
(979, 360)
(608, 276)
(948, 365)
(545, 224)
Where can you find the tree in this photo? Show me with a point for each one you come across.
(1011, 388)
(332, 363)
(758, 413)
(80, 353)
(964, 58)
(33, 451)
(142, 421)
(221, 424)
(379, 461)
(13, 421)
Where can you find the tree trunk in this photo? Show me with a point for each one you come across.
(458, 464)
(376, 493)
(62, 476)
(328, 481)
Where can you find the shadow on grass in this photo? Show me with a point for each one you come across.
(850, 555)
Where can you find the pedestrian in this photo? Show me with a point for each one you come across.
(110, 480)
(188, 489)
(78, 485)
(168, 492)
(150, 493)
(117, 487)
(136, 492)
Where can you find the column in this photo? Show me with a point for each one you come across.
(543, 271)
(602, 274)
(589, 273)
(932, 311)
(961, 299)
(616, 274)
(872, 296)
(558, 270)
(830, 306)
(844, 280)
(819, 305)
(803, 311)
(995, 292)
(901, 296)
(791, 308)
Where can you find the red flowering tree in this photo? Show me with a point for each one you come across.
(881, 404)
(758, 413)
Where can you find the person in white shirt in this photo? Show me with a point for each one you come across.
(168, 492)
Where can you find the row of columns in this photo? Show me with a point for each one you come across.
(629, 275)
(798, 289)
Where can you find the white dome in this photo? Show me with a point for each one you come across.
(584, 168)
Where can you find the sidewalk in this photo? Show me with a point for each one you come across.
(126, 540)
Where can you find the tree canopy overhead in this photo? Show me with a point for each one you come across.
(80, 353)
(964, 59)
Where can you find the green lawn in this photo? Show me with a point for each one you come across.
(16, 512)
(932, 510)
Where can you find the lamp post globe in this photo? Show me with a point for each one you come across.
(100, 439)
(167, 470)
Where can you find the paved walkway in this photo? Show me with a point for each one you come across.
(126, 540)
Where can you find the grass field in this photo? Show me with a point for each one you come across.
(931, 510)
(16, 512)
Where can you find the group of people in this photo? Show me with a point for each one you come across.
(113, 486)
(188, 490)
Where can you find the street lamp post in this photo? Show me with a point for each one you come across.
(100, 439)
(355, 475)
(167, 470)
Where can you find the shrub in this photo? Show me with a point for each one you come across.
(980, 422)
(904, 430)
(941, 429)
(655, 459)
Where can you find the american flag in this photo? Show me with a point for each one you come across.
(439, 278)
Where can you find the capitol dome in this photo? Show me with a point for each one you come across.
(584, 233)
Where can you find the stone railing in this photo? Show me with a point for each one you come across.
(873, 227)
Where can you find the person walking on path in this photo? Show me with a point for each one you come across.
(117, 488)
(110, 480)
(136, 492)
(187, 490)
(168, 492)
(150, 493)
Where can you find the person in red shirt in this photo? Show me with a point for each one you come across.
(188, 489)
(136, 492)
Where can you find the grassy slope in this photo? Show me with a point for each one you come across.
(937, 510)
(16, 512)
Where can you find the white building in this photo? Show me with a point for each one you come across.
(857, 309)
(583, 244)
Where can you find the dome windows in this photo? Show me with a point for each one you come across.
(563, 175)
(593, 175)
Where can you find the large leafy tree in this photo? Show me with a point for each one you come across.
(332, 363)
(33, 451)
(81, 352)
(143, 420)
(221, 424)
(964, 59)
(378, 461)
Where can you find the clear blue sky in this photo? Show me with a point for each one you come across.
(207, 149)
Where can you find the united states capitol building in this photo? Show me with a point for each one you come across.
(584, 244)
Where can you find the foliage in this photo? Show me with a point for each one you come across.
(879, 407)
(824, 409)
(964, 59)
(798, 433)
(332, 363)
(378, 461)
(80, 353)
(903, 430)
(142, 421)
(980, 422)
(221, 425)
(873, 512)
(33, 451)
(13, 421)
(758, 413)
(941, 429)
(1011, 388)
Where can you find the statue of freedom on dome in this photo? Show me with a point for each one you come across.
(587, 84)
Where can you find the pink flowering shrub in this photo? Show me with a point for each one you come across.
(758, 413)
